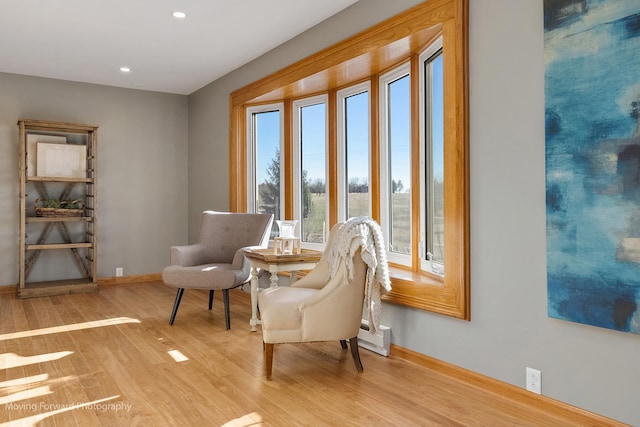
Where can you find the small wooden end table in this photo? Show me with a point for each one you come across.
(267, 260)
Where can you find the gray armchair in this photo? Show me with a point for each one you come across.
(217, 261)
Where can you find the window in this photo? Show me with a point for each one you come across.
(395, 163)
(387, 112)
(432, 147)
(310, 169)
(264, 161)
(353, 151)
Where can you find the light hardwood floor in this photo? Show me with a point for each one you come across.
(105, 359)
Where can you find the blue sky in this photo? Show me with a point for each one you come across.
(357, 128)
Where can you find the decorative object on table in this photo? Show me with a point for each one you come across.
(592, 115)
(58, 208)
(286, 243)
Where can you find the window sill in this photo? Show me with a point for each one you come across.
(401, 275)
(425, 292)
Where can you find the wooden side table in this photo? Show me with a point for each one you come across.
(275, 263)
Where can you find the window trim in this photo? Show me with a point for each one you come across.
(364, 55)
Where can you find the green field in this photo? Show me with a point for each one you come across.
(312, 227)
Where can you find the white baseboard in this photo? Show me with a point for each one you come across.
(378, 342)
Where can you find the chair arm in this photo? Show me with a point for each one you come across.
(240, 261)
(187, 255)
(333, 312)
(325, 290)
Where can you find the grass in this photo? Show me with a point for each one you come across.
(313, 226)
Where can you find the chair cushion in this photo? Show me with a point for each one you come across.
(206, 276)
(281, 318)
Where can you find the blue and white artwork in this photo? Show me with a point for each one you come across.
(592, 112)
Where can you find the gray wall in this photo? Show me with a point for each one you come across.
(592, 368)
(142, 169)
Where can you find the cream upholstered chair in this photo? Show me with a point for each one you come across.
(217, 261)
(317, 307)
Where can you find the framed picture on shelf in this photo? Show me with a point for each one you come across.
(61, 160)
(32, 144)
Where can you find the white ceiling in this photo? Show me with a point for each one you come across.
(89, 40)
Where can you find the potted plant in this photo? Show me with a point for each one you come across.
(53, 207)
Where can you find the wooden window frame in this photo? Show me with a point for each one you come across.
(361, 57)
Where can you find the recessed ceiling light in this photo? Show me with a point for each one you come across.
(179, 15)
(125, 69)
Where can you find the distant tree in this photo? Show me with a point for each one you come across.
(355, 186)
(396, 186)
(317, 186)
(270, 189)
(307, 204)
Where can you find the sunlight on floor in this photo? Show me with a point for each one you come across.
(20, 382)
(252, 419)
(25, 394)
(12, 360)
(16, 393)
(28, 387)
(67, 328)
(177, 355)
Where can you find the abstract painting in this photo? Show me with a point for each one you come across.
(592, 149)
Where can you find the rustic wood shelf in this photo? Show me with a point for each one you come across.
(83, 186)
(56, 179)
(57, 246)
(57, 287)
(59, 219)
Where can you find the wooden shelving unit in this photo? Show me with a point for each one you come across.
(35, 231)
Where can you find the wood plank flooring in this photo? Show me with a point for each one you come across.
(110, 358)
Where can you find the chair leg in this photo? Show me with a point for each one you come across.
(343, 344)
(353, 343)
(227, 314)
(175, 305)
(210, 298)
(268, 358)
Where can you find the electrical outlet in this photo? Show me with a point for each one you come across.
(119, 271)
(534, 380)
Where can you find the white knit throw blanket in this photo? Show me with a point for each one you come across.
(364, 233)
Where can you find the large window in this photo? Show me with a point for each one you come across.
(376, 125)
(310, 168)
(264, 160)
(353, 151)
(395, 159)
(432, 147)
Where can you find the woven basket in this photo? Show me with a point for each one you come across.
(58, 212)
